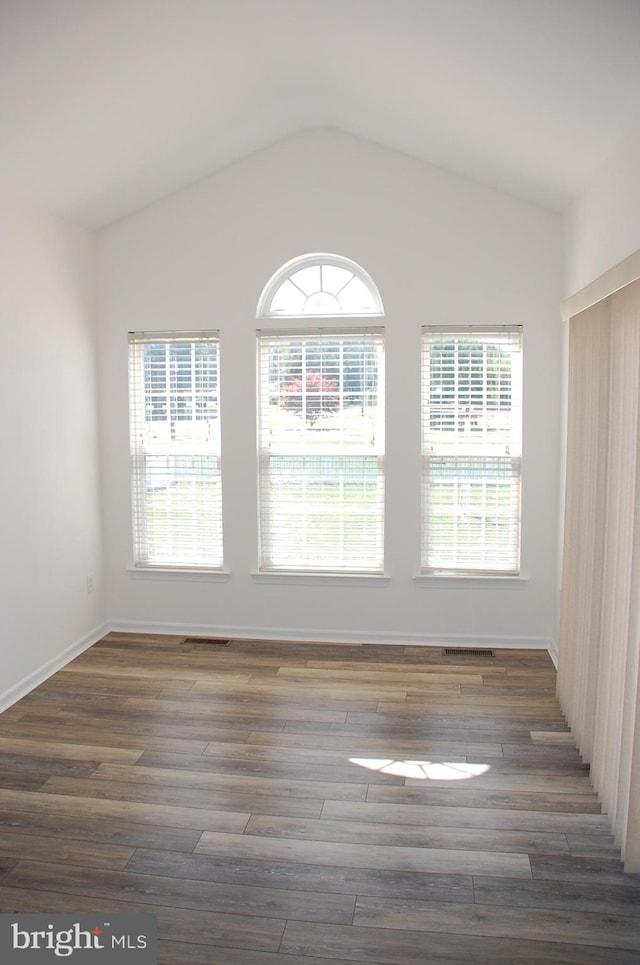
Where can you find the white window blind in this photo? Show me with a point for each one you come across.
(175, 449)
(321, 451)
(471, 419)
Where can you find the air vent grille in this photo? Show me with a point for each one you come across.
(206, 641)
(466, 652)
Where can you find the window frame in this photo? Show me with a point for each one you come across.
(142, 445)
(284, 273)
(508, 570)
(305, 323)
(301, 571)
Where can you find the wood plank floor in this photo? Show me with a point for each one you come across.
(302, 804)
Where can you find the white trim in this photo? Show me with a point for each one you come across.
(42, 673)
(448, 581)
(178, 575)
(321, 579)
(336, 637)
(611, 281)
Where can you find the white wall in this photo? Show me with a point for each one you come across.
(49, 480)
(441, 249)
(602, 226)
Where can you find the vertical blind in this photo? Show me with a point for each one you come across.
(321, 450)
(471, 433)
(599, 640)
(175, 449)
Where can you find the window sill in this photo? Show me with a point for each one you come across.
(321, 579)
(178, 574)
(448, 581)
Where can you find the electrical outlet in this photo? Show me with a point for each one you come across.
(90, 583)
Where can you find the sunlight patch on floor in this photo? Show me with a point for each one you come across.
(423, 770)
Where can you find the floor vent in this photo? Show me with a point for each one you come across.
(466, 652)
(206, 641)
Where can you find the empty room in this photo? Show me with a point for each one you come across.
(320, 587)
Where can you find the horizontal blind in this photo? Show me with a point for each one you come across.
(321, 450)
(471, 433)
(175, 449)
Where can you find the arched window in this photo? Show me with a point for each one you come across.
(319, 284)
(321, 420)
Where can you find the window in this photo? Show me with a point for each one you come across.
(472, 400)
(321, 421)
(321, 450)
(320, 285)
(175, 449)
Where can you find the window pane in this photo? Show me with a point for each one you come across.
(183, 509)
(322, 512)
(288, 300)
(356, 299)
(322, 303)
(308, 279)
(472, 513)
(335, 278)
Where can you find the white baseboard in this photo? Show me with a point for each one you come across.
(32, 680)
(336, 637)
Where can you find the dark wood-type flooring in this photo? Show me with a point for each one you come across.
(302, 804)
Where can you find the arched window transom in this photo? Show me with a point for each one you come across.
(319, 285)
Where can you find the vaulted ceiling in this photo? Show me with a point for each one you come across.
(109, 105)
